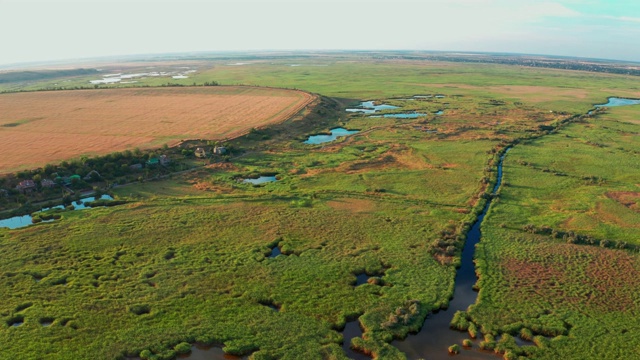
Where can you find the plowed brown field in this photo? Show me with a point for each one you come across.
(43, 127)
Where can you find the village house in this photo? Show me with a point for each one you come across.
(164, 160)
(153, 161)
(47, 183)
(26, 186)
(219, 150)
(200, 153)
(135, 167)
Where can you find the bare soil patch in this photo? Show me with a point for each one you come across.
(52, 126)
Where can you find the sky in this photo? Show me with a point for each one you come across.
(37, 31)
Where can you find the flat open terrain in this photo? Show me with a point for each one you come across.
(192, 259)
(41, 127)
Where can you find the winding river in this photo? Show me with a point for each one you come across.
(435, 336)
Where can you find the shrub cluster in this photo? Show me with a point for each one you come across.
(571, 237)
(403, 315)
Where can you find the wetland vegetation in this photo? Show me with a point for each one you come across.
(359, 239)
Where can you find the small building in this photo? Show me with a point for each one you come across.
(26, 186)
(48, 183)
(153, 161)
(219, 150)
(164, 160)
(200, 153)
(66, 181)
(135, 167)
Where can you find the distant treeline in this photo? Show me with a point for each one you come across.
(19, 76)
(523, 60)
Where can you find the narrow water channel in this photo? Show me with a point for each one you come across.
(435, 336)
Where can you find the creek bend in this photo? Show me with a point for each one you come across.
(435, 336)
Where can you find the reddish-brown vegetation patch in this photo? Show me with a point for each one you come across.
(37, 128)
(570, 275)
(629, 199)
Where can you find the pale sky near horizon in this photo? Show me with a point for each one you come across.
(35, 31)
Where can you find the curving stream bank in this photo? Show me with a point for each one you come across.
(435, 336)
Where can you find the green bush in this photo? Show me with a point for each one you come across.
(183, 348)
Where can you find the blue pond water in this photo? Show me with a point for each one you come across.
(335, 133)
(402, 116)
(25, 220)
(362, 279)
(614, 101)
(368, 107)
(260, 180)
(275, 252)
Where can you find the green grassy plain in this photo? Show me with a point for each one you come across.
(186, 260)
(583, 297)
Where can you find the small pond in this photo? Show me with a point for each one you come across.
(362, 279)
(275, 252)
(25, 220)
(614, 101)
(413, 115)
(203, 352)
(335, 133)
(368, 107)
(260, 180)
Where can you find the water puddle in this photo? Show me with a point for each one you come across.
(274, 252)
(26, 220)
(435, 336)
(46, 322)
(335, 133)
(615, 101)
(369, 107)
(271, 306)
(413, 115)
(181, 73)
(16, 321)
(362, 279)
(260, 180)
